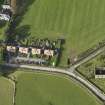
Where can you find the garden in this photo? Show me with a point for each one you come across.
(36, 51)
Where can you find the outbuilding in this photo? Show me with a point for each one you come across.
(49, 52)
(6, 7)
(100, 72)
(11, 49)
(36, 51)
(4, 17)
(23, 50)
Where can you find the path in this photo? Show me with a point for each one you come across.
(70, 72)
(89, 85)
(91, 56)
(14, 90)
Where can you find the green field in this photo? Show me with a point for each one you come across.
(80, 22)
(45, 89)
(6, 91)
(2, 33)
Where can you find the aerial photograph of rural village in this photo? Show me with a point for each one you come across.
(52, 52)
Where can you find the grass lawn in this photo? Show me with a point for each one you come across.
(80, 22)
(45, 89)
(6, 90)
(2, 33)
(100, 83)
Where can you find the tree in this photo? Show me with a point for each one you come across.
(50, 103)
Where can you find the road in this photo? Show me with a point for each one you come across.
(89, 85)
(91, 56)
(70, 72)
(14, 90)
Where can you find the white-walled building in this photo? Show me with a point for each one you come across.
(100, 73)
(6, 7)
(4, 17)
(49, 52)
(11, 49)
(36, 51)
(23, 50)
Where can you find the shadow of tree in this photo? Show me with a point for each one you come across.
(1, 2)
(14, 30)
(2, 24)
(23, 6)
(5, 71)
(22, 32)
(19, 33)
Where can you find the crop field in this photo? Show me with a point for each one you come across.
(45, 89)
(6, 90)
(80, 22)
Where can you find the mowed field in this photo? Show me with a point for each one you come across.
(6, 92)
(45, 89)
(80, 22)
